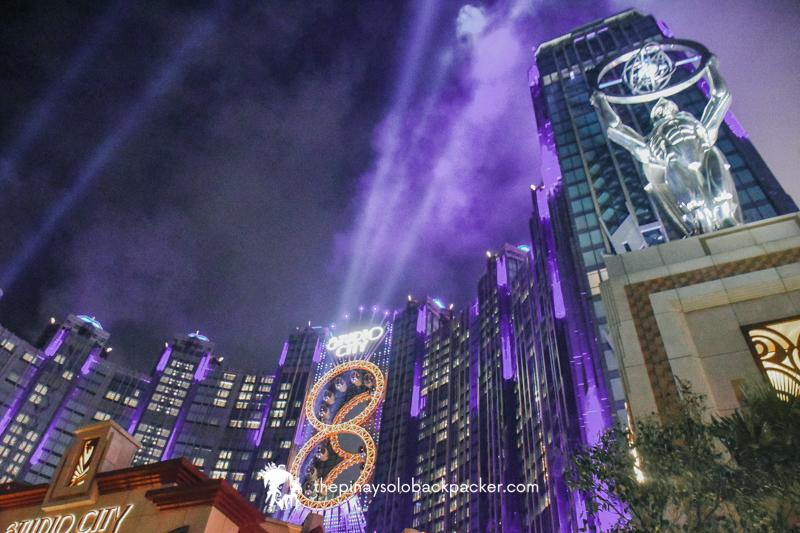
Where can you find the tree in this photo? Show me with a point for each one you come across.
(690, 473)
(764, 440)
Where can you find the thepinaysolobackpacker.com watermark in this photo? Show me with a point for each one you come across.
(452, 488)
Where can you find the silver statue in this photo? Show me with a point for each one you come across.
(687, 174)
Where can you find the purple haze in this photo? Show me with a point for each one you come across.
(248, 200)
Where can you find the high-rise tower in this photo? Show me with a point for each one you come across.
(594, 200)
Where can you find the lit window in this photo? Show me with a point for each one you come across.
(595, 277)
(198, 462)
(28, 356)
(131, 402)
(286, 444)
(101, 416)
(59, 359)
(113, 396)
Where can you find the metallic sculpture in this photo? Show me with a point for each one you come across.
(649, 70)
(688, 176)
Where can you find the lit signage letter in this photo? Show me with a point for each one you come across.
(94, 521)
(91, 515)
(354, 343)
(121, 518)
(58, 527)
(46, 525)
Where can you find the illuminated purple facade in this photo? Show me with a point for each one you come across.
(593, 200)
(479, 395)
(472, 396)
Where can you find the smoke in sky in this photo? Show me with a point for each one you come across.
(311, 157)
(453, 172)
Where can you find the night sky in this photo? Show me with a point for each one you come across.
(243, 168)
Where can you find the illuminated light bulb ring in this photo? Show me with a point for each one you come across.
(357, 421)
(332, 431)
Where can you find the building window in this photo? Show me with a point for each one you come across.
(113, 396)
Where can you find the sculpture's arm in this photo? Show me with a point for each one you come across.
(719, 100)
(618, 132)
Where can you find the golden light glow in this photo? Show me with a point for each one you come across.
(338, 426)
(775, 347)
(84, 460)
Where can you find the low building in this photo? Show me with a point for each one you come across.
(96, 490)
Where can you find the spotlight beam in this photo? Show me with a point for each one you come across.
(168, 76)
(105, 28)
(384, 187)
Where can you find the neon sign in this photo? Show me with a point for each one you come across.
(354, 343)
(328, 432)
(104, 520)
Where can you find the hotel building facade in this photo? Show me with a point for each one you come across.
(501, 393)
(594, 203)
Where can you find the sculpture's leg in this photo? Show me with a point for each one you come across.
(721, 191)
(666, 201)
(687, 187)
